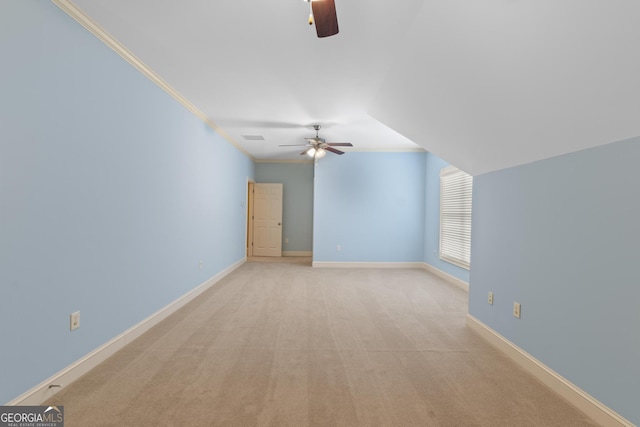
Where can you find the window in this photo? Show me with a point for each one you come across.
(455, 216)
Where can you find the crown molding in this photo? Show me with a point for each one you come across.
(83, 19)
(282, 161)
(385, 150)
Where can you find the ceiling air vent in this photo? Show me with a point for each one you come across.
(253, 137)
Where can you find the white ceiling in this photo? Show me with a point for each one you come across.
(484, 84)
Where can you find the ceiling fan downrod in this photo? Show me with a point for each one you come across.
(310, 12)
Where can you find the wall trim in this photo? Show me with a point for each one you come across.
(331, 264)
(284, 161)
(423, 265)
(83, 19)
(297, 253)
(569, 391)
(446, 276)
(416, 149)
(40, 393)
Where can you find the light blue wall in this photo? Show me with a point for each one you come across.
(110, 195)
(297, 204)
(432, 220)
(372, 205)
(562, 237)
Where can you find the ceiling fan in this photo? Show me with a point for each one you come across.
(323, 13)
(317, 147)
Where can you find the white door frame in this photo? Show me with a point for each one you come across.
(248, 241)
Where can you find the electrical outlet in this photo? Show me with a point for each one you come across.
(516, 309)
(286, 240)
(490, 298)
(74, 321)
(200, 264)
(338, 248)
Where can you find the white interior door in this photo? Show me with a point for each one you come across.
(267, 220)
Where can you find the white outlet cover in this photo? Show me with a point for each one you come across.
(74, 321)
(517, 309)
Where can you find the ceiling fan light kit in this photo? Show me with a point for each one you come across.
(316, 153)
(310, 12)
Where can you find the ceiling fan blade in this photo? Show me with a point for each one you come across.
(333, 150)
(292, 145)
(324, 14)
(340, 144)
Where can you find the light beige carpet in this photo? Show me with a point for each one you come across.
(284, 344)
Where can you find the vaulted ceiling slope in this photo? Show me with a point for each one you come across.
(483, 84)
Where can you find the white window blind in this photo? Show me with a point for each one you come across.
(455, 216)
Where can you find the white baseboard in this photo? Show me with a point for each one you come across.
(576, 396)
(297, 253)
(42, 392)
(329, 264)
(446, 276)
